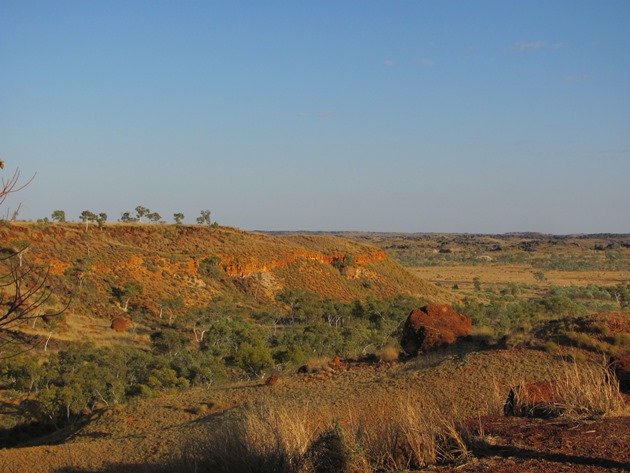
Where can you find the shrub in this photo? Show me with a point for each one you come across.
(254, 359)
(166, 378)
(551, 347)
(209, 267)
(168, 341)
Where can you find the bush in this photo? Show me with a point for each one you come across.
(209, 267)
(254, 359)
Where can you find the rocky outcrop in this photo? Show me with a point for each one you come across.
(244, 269)
(432, 326)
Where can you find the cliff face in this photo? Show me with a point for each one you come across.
(167, 261)
(369, 255)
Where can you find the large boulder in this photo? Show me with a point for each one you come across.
(432, 326)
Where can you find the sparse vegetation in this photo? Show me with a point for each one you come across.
(223, 319)
(58, 216)
(578, 390)
(204, 218)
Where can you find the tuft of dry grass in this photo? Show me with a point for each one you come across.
(588, 390)
(407, 435)
(259, 439)
(403, 434)
(388, 353)
(577, 390)
(315, 365)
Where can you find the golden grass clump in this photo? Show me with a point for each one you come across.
(315, 365)
(589, 390)
(402, 434)
(388, 353)
(405, 435)
(259, 439)
(578, 390)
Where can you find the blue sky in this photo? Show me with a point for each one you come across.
(324, 115)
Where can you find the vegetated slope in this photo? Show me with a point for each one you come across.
(198, 264)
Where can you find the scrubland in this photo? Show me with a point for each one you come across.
(208, 316)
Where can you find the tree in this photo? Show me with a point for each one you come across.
(171, 305)
(204, 218)
(127, 218)
(154, 217)
(126, 292)
(87, 217)
(101, 219)
(178, 217)
(59, 216)
(142, 212)
(24, 291)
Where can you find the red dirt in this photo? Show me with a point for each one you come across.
(516, 444)
(432, 326)
(336, 363)
(617, 322)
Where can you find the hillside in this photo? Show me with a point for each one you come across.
(196, 265)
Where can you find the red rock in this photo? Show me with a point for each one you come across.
(539, 399)
(272, 380)
(433, 326)
(121, 324)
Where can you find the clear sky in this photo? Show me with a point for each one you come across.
(461, 116)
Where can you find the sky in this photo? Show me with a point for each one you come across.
(401, 116)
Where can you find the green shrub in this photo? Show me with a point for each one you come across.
(209, 267)
(166, 378)
(254, 359)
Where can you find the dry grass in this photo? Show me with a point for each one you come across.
(388, 353)
(258, 439)
(463, 276)
(315, 365)
(588, 390)
(404, 434)
(578, 390)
